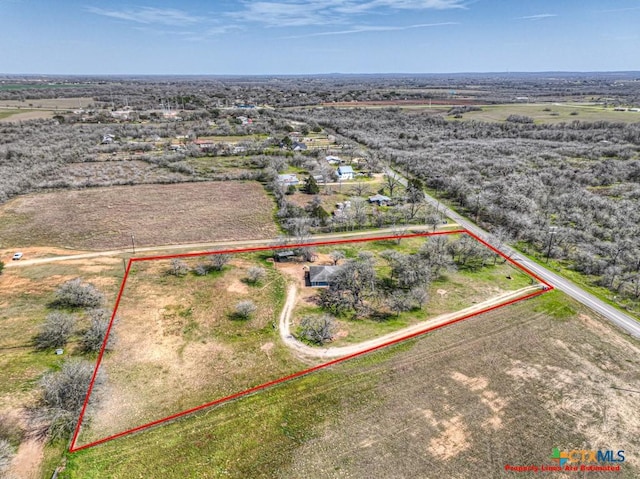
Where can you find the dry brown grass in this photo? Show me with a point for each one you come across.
(104, 218)
(504, 388)
(49, 103)
(179, 346)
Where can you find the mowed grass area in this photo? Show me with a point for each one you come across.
(452, 291)
(104, 218)
(551, 113)
(503, 388)
(179, 344)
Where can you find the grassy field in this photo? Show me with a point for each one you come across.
(48, 103)
(452, 292)
(551, 113)
(504, 388)
(8, 113)
(103, 218)
(25, 297)
(179, 344)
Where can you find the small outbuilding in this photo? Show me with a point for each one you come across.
(282, 256)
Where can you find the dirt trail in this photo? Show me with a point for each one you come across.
(27, 461)
(337, 352)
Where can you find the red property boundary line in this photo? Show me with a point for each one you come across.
(73, 448)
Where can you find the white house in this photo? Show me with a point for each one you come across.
(345, 173)
(333, 160)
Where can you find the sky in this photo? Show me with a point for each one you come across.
(269, 37)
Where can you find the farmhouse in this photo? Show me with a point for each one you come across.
(345, 173)
(320, 276)
(297, 146)
(333, 160)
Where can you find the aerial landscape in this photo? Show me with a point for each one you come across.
(343, 239)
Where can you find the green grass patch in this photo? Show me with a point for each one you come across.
(8, 113)
(554, 304)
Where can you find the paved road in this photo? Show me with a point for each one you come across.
(626, 322)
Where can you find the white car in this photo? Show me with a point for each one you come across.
(17, 256)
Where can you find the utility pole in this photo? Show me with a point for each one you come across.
(133, 243)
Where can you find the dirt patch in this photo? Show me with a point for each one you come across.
(28, 460)
(452, 440)
(474, 384)
(106, 218)
(442, 292)
(238, 287)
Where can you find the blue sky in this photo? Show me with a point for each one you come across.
(317, 36)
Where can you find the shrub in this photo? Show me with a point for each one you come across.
(219, 260)
(201, 269)
(178, 268)
(55, 331)
(92, 340)
(519, 119)
(63, 394)
(317, 329)
(256, 274)
(1, 266)
(76, 294)
(245, 309)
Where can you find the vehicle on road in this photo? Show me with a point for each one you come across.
(16, 256)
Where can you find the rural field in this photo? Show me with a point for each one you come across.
(26, 296)
(180, 343)
(104, 218)
(503, 388)
(552, 113)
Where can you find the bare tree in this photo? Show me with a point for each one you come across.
(55, 331)
(317, 329)
(93, 338)
(336, 256)
(392, 181)
(63, 394)
(74, 293)
(178, 268)
(398, 302)
(218, 261)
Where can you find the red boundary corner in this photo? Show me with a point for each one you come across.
(73, 448)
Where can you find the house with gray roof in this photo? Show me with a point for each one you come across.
(319, 276)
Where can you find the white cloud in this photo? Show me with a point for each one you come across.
(148, 15)
(374, 28)
(539, 16)
(287, 13)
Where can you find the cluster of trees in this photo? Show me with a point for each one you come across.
(568, 190)
(60, 325)
(63, 391)
(357, 288)
(209, 94)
